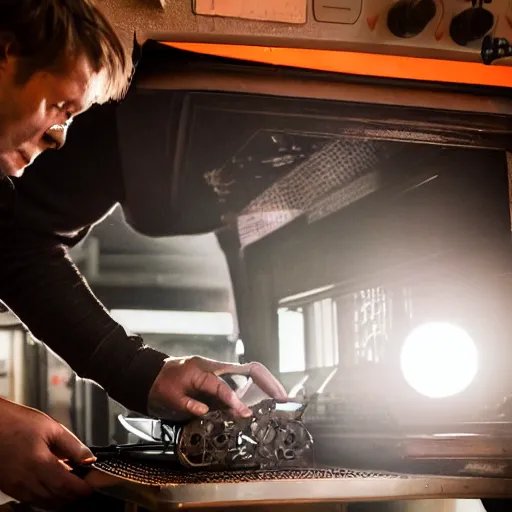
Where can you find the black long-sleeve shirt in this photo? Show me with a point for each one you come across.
(44, 213)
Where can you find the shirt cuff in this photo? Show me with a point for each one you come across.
(126, 369)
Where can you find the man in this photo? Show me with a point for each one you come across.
(57, 58)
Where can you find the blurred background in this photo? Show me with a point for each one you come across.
(176, 293)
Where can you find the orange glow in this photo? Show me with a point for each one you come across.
(367, 64)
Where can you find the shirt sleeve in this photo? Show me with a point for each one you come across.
(42, 286)
(51, 208)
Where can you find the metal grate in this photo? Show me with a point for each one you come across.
(372, 323)
(330, 176)
(159, 474)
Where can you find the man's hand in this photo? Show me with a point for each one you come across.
(32, 450)
(182, 380)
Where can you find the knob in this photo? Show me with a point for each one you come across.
(408, 18)
(471, 25)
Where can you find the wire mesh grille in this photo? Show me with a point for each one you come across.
(159, 474)
(331, 177)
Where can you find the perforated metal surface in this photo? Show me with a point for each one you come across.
(164, 489)
(161, 474)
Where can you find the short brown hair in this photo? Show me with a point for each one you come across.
(47, 33)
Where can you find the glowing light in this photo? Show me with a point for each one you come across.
(292, 351)
(439, 360)
(239, 348)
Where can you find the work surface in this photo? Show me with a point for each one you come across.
(466, 466)
(445, 466)
(278, 491)
(200, 490)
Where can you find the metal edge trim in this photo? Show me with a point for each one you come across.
(322, 89)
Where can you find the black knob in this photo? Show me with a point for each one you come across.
(408, 18)
(471, 25)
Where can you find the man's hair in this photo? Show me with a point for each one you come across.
(47, 34)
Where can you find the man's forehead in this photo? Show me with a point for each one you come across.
(81, 83)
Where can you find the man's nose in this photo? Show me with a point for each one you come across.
(54, 137)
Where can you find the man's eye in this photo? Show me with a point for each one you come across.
(63, 109)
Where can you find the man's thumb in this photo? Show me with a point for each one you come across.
(66, 445)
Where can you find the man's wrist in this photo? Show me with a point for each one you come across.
(133, 388)
(125, 368)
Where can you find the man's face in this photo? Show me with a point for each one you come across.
(35, 115)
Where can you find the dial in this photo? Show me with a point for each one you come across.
(470, 25)
(408, 18)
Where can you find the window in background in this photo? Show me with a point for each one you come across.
(6, 364)
(372, 323)
(175, 322)
(323, 349)
(183, 333)
(347, 329)
(292, 353)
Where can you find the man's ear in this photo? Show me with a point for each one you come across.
(6, 43)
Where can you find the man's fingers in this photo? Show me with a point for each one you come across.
(259, 373)
(219, 368)
(264, 380)
(67, 446)
(212, 385)
(193, 406)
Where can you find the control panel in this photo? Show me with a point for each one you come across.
(439, 29)
(452, 29)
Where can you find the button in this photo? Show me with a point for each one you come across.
(408, 18)
(471, 25)
(346, 12)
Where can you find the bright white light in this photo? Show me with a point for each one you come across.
(175, 322)
(439, 360)
(239, 348)
(292, 351)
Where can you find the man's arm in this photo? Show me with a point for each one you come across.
(57, 201)
(41, 285)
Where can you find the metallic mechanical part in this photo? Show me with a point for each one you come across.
(140, 427)
(270, 439)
